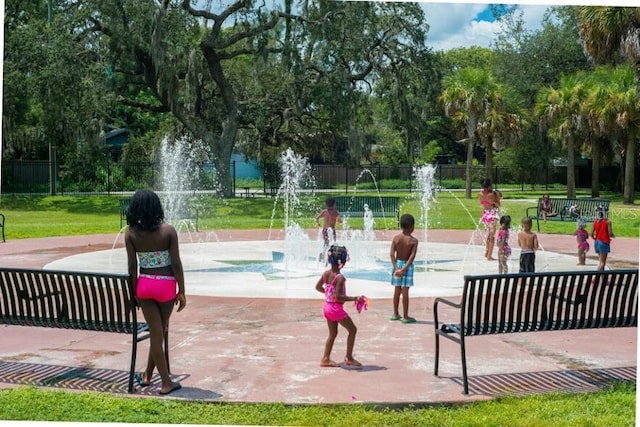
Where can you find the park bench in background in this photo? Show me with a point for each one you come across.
(2, 226)
(380, 207)
(550, 301)
(586, 206)
(184, 212)
(73, 300)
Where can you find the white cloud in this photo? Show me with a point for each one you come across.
(454, 24)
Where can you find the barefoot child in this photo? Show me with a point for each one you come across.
(602, 233)
(583, 245)
(502, 240)
(330, 218)
(403, 251)
(332, 284)
(490, 203)
(528, 242)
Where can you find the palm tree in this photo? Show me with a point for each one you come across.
(623, 108)
(605, 33)
(467, 98)
(561, 115)
(612, 111)
(502, 125)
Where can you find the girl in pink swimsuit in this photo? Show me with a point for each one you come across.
(582, 237)
(157, 276)
(332, 285)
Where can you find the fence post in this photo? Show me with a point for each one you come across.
(346, 179)
(233, 171)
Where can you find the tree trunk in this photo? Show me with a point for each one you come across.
(630, 169)
(488, 148)
(467, 188)
(595, 167)
(571, 168)
(224, 146)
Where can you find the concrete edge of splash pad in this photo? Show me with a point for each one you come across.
(246, 268)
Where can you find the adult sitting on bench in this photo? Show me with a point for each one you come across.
(546, 208)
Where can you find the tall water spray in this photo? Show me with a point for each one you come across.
(424, 177)
(177, 172)
(295, 172)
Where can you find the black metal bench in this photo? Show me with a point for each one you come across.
(552, 301)
(379, 206)
(587, 209)
(183, 211)
(2, 226)
(73, 300)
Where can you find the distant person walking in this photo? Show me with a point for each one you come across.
(157, 276)
(333, 284)
(602, 233)
(403, 251)
(528, 242)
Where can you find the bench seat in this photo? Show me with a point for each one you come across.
(587, 207)
(531, 302)
(73, 300)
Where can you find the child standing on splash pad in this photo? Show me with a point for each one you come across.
(403, 251)
(504, 250)
(330, 218)
(582, 236)
(332, 284)
(490, 203)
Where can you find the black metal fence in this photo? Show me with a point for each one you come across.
(35, 177)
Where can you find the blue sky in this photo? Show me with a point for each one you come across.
(468, 24)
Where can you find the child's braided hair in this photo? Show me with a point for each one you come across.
(337, 255)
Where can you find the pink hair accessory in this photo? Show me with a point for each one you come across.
(362, 303)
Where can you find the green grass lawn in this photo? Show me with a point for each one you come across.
(44, 216)
(41, 216)
(612, 407)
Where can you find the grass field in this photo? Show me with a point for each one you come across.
(44, 216)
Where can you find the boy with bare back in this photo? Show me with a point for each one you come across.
(330, 218)
(528, 242)
(403, 251)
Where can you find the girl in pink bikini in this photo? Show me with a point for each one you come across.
(490, 203)
(582, 237)
(332, 285)
(155, 267)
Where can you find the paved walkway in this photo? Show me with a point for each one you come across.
(267, 349)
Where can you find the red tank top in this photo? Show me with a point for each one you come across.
(601, 229)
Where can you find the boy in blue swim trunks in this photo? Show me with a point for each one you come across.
(403, 251)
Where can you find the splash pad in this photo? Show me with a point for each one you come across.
(287, 263)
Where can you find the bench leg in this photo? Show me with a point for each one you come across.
(465, 379)
(437, 355)
(132, 369)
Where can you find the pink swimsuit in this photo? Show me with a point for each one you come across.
(583, 235)
(333, 309)
(152, 286)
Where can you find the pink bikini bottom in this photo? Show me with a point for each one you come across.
(157, 288)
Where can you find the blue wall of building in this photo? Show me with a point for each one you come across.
(246, 169)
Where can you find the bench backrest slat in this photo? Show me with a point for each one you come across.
(549, 301)
(63, 299)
